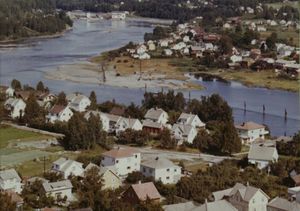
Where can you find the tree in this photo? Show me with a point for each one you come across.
(134, 111)
(271, 40)
(134, 177)
(34, 114)
(93, 99)
(6, 202)
(15, 84)
(34, 195)
(225, 44)
(61, 99)
(203, 141)
(40, 86)
(166, 141)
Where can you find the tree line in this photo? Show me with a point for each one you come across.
(24, 18)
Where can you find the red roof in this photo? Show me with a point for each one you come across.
(146, 190)
(120, 152)
(56, 109)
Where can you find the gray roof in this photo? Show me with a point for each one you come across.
(284, 204)
(56, 186)
(9, 174)
(261, 153)
(158, 163)
(113, 118)
(221, 205)
(154, 113)
(187, 206)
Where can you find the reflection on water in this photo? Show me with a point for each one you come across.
(29, 62)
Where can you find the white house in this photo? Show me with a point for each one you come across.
(157, 115)
(141, 49)
(59, 113)
(164, 43)
(78, 102)
(103, 117)
(128, 123)
(184, 133)
(249, 198)
(123, 160)
(144, 56)
(262, 156)
(15, 106)
(67, 167)
(190, 119)
(8, 91)
(244, 197)
(249, 131)
(162, 170)
(10, 181)
(118, 15)
(186, 39)
(113, 122)
(235, 58)
(179, 46)
(151, 45)
(60, 189)
(168, 52)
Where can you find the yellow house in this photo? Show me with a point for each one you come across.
(110, 179)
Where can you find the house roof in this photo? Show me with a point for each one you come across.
(12, 102)
(33, 179)
(217, 206)
(146, 190)
(249, 126)
(117, 111)
(283, 204)
(219, 195)
(113, 118)
(188, 118)
(296, 179)
(185, 129)
(54, 186)
(65, 163)
(149, 123)
(56, 109)
(120, 152)
(154, 113)
(15, 198)
(186, 206)
(158, 163)
(23, 94)
(261, 153)
(9, 174)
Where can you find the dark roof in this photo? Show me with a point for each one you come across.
(56, 109)
(117, 111)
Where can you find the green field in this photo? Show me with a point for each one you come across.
(10, 134)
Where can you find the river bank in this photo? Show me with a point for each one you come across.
(14, 43)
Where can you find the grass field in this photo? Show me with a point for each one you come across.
(278, 5)
(266, 78)
(8, 134)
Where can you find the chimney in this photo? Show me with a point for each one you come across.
(139, 182)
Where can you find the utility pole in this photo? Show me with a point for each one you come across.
(140, 70)
(44, 162)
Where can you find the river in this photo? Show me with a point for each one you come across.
(29, 62)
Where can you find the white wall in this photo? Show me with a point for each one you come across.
(11, 184)
(165, 175)
(124, 165)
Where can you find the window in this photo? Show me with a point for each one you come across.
(117, 161)
(168, 169)
(167, 177)
(175, 170)
(135, 156)
(128, 167)
(144, 169)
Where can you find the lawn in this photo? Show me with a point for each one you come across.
(8, 134)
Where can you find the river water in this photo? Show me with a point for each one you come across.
(28, 64)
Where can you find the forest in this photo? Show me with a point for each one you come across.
(25, 18)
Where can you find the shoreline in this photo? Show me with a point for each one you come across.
(13, 43)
